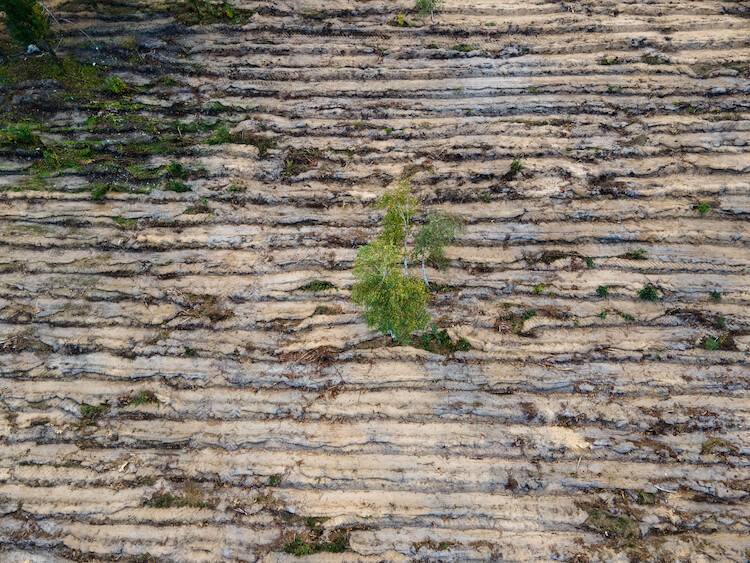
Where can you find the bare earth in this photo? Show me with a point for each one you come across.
(171, 391)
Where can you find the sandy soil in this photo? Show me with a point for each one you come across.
(169, 391)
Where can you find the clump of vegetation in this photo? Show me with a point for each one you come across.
(602, 291)
(99, 191)
(440, 342)
(394, 302)
(124, 223)
(463, 48)
(191, 499)
(299, 547)
(611, 525)
(205, 306)
(609, 60)
(639, 254)
(512, 322)
(80, 81)
(176, 186)
(114, 85)
(298, 161)
(649, 293)
(703, 208)
(143, 398)
(715, 296)
(20, 135)
(222, 135)
(92, 412)
(317, 285)
(428, 7)
(203, 12)
(723, 342)
(26, 21)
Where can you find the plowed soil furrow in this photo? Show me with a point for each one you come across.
(184, 375)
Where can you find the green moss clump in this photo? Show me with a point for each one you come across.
(317, 285)
(649, 293)
(114, 85)
(91, 412)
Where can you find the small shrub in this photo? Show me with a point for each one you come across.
(710, 343)
(609, 60)
(298, 161)
(590, 265)
(538, 289)
(274, 480)
(627, 316)
(177, 170)
(720, 321)
(602, 291)
(144, 398)
(463, 48)
(715, 296)
(190, 352)
(176, 186)
(649, 293)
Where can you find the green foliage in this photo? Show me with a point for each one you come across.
(176, 170)
(649, 293)
(463, 48)
(428, 7)
(639, 254)
(124, 223)
(703, 208)
(202, 12)
(399, 207)
(317, 285)
(439, 342)
(176, 186)
(516, 166)
(81, 81)
(143, 398)
(609, 60)
(274, 480)
(299, 547)
(298, 161)
(167, 500)
(26, 22)
(394, 303)
(715, 296)
(190, 352)
(602, 291)
(100, 191)
(711, 344)
(19, 135)
(114, 85)
(590, 265)
(91, 412)
(438, 230)
(538, 289)
(610, 525)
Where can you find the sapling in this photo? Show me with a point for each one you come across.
(428, 7)
(394, 302)
(439, 230)
(26, 21)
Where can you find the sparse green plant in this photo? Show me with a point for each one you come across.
(27, 22)
(715, 296)
(602, 291)
(590, 265)
(609, 60)
(710, 343)
(649, 293)
(440, 342)
(100, 191)
(703, 208)
(428, 7)
(602, 315)
(124, 223)
(461, 47)
(190, 352)
(143, 398)
(274, 480)
(539, 288)
(91, 412)
(627, 316)
(720, 321)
